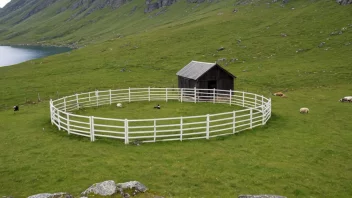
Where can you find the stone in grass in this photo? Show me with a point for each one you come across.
(321, 44)
(220, 49)
(54, 195)
(105, 188)
(261, 196)
(136, 186)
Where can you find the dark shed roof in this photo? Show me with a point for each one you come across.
(196, 69)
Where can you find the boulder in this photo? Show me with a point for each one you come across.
(54, 195)
(105, 188)
(261, 196)
(132, 185)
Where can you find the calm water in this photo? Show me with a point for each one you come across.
(10, 55)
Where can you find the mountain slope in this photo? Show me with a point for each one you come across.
(302, 48)
(78, 22)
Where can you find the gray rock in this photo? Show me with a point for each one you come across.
(261, 196)
(126, 195)
(158, 4)
(132, 185)
(54, 195)
(220, 49)
(321, 44)
(150, 7)
(105, 188)
(344, 2)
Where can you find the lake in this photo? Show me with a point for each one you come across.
(11, 55)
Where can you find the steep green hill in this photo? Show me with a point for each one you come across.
(302, 47)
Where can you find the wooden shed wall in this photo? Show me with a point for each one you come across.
(186, 83)
(223, 80)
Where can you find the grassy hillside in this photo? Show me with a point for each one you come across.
(274, 48)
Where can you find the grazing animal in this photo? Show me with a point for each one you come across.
(279, 94)
(157, 107)
(346, 99)
(118, 105)
(304, 110)
(16, 108)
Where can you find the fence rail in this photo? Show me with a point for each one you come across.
(257, 112)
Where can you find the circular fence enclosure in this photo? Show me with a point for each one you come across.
(257, 112)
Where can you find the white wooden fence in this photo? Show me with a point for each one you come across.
(257, 112)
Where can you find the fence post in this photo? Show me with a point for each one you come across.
(129, 94)
(68, 123)
(149, 94)
(97, 97)
(181, 128)
(126, 132)
(181, 94)
(77, 101)
(58, 119)
(263, 114)
(251, 117)
(230, 96)
(208, 128)
(214, 95)
(91, 119)
(110, 95)
(65, 103)
(255, 100)
(154, 130)
(89, 96)
(166, 94)
(242, 99)
(269, 107)
(51, 111)
(195, 94)
(234, 123)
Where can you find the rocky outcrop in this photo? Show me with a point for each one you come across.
(28, 8)
(132, 185)
(105, 188)
(344, 2)
(38, 8)
(158, 4)
(55, 195)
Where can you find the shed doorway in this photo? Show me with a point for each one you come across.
(212, 84)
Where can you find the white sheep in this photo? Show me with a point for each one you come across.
(118, 105)
(346, 99)
(304, 110)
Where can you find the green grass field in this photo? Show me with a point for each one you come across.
(295, 155)
(145, 110)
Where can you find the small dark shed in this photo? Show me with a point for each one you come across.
(205, 76)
